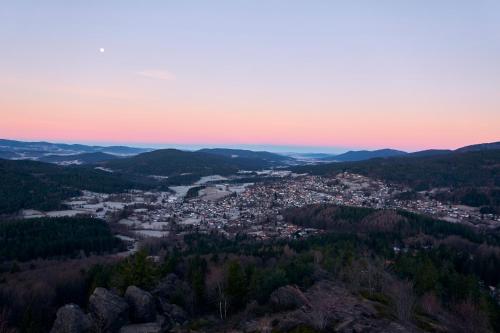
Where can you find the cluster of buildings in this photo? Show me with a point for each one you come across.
(224, 206)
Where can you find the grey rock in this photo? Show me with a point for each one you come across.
(108, 310)
(292, 320)
(164, 323)
(142, 328)
(142, 305)
(288, 298)
(71, 319)
(174, 313)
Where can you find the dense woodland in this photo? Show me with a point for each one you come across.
(55, 237)
(38, 185)
(445, 268)
(470, 169)
(173, 162)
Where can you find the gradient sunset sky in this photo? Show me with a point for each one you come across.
(345, 74)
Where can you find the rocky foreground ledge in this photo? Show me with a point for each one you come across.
(326, 307)
(137, 312)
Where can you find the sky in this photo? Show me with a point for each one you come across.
(315, 75)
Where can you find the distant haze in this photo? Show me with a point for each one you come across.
(368, 74)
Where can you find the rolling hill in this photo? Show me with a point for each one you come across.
(430, 152)
(480, 168)
(173, 162)
(35, 150)
(361, 155)
(471, 178)
(169, 162)
(84, 158)
(38, 185)
(266, 158)
(479, 147)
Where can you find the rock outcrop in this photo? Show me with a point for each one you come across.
(71, 319)
(288, 298)
(138, 311)
(142, 305)
(108, 310)
(174, 314)
(326, 306)
(142, 328)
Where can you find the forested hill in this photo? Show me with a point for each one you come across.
(264, 157)
(172, 162)
(38, 185)
(471, 178)
(41, 148)
(481, 168)
(362, 155)
(55, 237)
(83, 158)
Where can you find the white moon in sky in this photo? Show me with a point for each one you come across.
(101, 50)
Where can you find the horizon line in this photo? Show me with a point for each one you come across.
(276, 148)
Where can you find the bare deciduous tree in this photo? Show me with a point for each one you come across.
(320, 314)
(403, 299)
(469, 318)
(216, 285)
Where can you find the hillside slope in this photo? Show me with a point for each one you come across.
(471, 178)
(38, 149)
(84, 158)
(29, 184)
(266, 158)
(449, 170)
(173, 162)
(361, 155)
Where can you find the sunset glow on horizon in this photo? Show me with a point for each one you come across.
(401, 74)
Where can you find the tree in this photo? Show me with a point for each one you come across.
(403, 299)
(236, 286)
(197, 269)
(138, 271)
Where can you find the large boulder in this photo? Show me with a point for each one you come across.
(142, 305)
(71, 319)
(174, 313)
(288, 298)
(109, 311)
(291, 320)
(142, 328)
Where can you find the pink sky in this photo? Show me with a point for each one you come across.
(404, 76)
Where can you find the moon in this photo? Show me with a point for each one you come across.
(101, 50)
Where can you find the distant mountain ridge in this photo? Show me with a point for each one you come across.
(479, 147)
(361, 155)
(38, 185)
(430, 152)
(168, 162)
(67, 153)
(83, 158)
(174, 162)
(264, 156)
(36, 150)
